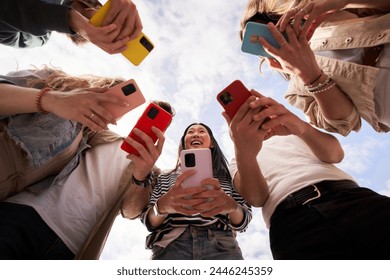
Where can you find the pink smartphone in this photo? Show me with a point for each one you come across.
(200, 160)
(233, 96)
(130, 93)
(152, 116)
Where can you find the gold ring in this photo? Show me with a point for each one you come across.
(91, 116)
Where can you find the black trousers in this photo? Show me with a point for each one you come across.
(348, 224)
(25, 236)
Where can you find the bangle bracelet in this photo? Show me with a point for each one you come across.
(38, 102)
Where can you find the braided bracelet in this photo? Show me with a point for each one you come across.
(39, 100)
(315, 80)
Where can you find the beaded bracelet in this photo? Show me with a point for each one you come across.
(319, 85)
(331, 85)
(39, 100)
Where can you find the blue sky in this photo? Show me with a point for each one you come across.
(197, 53)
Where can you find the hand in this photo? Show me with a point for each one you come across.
(147, 155)
(313, 13)
(82, 105)
(182, 200)
(246, 133)
(104, 37)
(214, 200)
(294, 57)
(124, 14)
(275, 118)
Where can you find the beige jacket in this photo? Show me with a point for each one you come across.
(93, 246)
(357, 81)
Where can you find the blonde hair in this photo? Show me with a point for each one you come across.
(271, 8)
(59, 80)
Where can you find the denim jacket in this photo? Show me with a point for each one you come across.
(41, 136)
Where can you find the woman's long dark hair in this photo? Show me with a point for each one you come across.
(220, 163)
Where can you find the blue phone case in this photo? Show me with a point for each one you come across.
(256, 30)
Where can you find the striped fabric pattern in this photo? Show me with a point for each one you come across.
(222, 222)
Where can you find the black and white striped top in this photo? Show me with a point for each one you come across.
(222, 222)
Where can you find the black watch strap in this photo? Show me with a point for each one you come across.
(141, 183)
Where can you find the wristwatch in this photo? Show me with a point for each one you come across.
(157, 212)
(143, 183)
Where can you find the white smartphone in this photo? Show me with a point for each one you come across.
(200, 160)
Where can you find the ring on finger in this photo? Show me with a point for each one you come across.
(283, 43)
(91, 116)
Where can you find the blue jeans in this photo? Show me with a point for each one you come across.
(200, 243)
(25, 236)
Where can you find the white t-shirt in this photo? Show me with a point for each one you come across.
(288, 165)
(72, 206)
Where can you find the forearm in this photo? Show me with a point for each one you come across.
(333, 103)
(325, 146)
(250, 182)
(376, 4)
(135, 201)
(236, 216)
(17, 100)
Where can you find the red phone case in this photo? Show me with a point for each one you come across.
(152, 116)
(130, 93)
(233, 96)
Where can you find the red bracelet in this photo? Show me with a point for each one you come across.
(39, 100)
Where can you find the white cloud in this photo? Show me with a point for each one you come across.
(197, 53)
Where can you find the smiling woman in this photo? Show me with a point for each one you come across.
(196, 222)
(197, 53)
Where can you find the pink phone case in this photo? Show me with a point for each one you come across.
(200, 160)
(233, 96)
(130, 93)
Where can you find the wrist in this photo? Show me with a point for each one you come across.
(145, 182)
(157, 209)
(312, 77)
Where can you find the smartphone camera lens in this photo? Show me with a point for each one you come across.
(226, 97)
(153, 112)
(144, 42)
(189, 160)
(128, 89)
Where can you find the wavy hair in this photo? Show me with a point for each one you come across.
(57, 79)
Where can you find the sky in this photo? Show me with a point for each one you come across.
(197, 53)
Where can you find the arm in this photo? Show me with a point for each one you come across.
(277, 120)
(296, 58)
(315, 12)
(137, 197)
(74, 105)
(248, 138)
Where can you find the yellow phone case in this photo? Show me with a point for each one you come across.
(137, 49)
